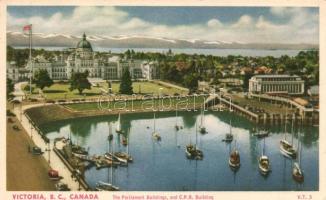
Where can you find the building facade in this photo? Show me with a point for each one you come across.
(15, 73)
(104, 66)
(277, 84)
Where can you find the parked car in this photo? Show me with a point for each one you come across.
(62, 187)
(37, 151)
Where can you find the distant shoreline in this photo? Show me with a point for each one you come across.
(259, 52)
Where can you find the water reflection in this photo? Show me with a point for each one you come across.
(163, 165)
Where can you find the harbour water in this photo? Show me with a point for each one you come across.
(214, 52)
(163, 166)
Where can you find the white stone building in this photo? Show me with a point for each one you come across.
(83, 58)
(277, 83)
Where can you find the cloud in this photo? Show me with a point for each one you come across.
(214, 23)
(299, 25)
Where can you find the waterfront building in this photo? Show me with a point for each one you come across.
(83, 58)
(276, 83)
(15, 73)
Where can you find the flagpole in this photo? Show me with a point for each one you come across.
(30, 60)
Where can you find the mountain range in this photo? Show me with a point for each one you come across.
(137, 41)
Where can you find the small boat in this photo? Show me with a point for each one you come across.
(297, 173)
(118, 129)
(155, 134)
(122, 160)
(176, 119)
(110, 137)
(124, 141)
(234, 160)
(124, 155)
(202, 128)
(263, 162)
(287, 149)
(264, 166)
(101, 186)
(193, 152)
(229, 136)
(78, 151)
(261, 134)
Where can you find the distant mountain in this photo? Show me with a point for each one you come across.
(61, 40)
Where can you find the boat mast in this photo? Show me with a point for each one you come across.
(230, 126)
(128, 140)
(263, 148)
(286, 115)
(112, 159)
(292, 131)
(201, 117)
(176, 115)
(154, 124)
(196, 135)
(119, 123)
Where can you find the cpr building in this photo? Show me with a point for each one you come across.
(277, 84)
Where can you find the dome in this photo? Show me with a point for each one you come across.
(84, 44)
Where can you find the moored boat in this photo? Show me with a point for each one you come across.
(118, 129)
(234, 160)
(263, 164)
(101, 186)
(297, 173)
(155, 134)
(287, 149)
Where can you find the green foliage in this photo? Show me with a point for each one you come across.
(10, 87)
(42, 79)
(126, 83)
(246, 78)
(191, 81)
(26, 88)
(79, 82)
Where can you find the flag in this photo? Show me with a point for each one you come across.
(27, 27)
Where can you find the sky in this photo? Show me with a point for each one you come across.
(227, 24)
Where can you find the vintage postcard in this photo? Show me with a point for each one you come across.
(162, 102)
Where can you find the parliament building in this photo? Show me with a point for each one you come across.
(99, 65)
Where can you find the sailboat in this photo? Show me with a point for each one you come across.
(176, 119)
(285, 147)
(234, 159)
(192, 152)
(297, 172)
(118, 129)
(155, 134)
(261, 133)
(202, 128)
(124, 157)
(102, 186)
(229, 136)
(263, 162)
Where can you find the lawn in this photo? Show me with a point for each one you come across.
(61, 90)
(267, 106)
(146, 88)
(139, 104)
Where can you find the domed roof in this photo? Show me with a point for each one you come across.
(84, 44)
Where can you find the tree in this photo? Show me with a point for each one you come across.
(246, 79)
(10, 87)
(42, 79)
(79, 81)
(191, 81)
(126, 83)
